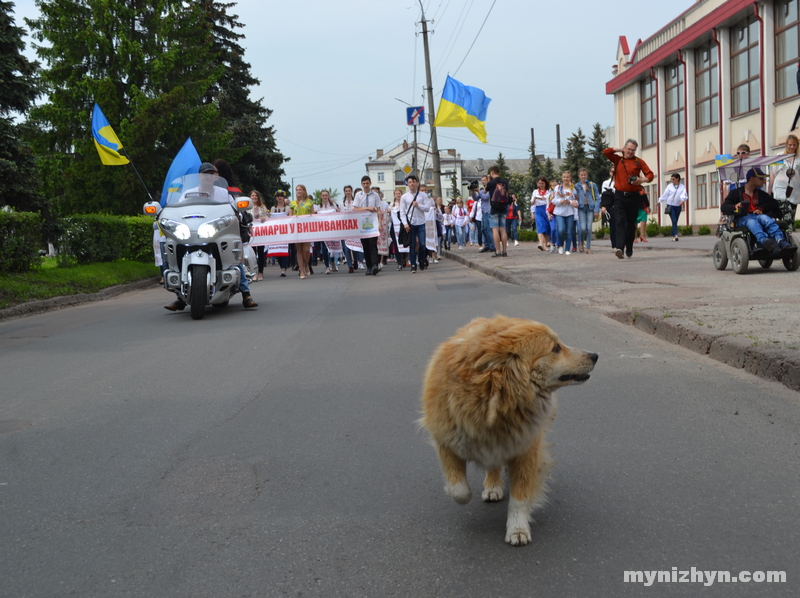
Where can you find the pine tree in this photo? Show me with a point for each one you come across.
(501, 164)
(18, 171)
(598, 165)
(549, 171)
(575, 154)
(253, 153)
(535, 168)
(455, 192)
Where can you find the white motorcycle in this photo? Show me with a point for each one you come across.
(203, 245)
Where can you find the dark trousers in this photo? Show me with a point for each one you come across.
(370, 252)
(261, 257)
(626, 210)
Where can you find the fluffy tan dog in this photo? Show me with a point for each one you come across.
(489, 398)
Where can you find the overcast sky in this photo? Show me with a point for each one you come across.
(331, 71)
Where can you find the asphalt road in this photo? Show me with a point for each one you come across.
(275, 453)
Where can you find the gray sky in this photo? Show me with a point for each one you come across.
(331, 71)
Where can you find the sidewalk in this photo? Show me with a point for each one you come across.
(671, 289)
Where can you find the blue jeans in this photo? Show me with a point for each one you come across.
(417, 234)
(511, 228)
(244, 286)
(460, 235)
(565, 224)
(585, 220)
(758, 223)
(553, 231)
(674, 214)
(488, 239)
(473, 233)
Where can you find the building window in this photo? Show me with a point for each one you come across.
(702, 192)
(787, 43)
(380, 177)
(706, 85)
(714, 189)
(399, 178)
(675, 101)
(648, 95)
(745, 71)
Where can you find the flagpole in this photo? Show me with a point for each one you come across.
(146, 190)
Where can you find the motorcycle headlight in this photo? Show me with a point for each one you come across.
(211, 228)
(178, 229)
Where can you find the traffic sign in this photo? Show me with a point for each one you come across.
(415, 115)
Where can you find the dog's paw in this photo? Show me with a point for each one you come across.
(494, 494)
(460, 492)
(518, 536)
(518, 530)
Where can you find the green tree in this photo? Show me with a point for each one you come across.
(149, 65)
(549, 171)
(518, 185)
(597, 164)
(575, 153)
(18, 170)
(455, 192)
(535, 167)
(501, 164)
(253, 153)
(333, 193)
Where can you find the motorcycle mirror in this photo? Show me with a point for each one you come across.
(151, 208)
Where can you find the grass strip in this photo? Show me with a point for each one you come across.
(49, 280)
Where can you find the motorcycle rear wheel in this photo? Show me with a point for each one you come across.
(197, 293)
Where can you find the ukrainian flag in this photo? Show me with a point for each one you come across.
(463, 106)
(106, 140)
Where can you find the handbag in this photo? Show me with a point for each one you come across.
(607, 199)
(551, 208)
(404, 238)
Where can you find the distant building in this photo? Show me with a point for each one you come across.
(720, 74)
(388, 170)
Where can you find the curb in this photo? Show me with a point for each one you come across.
(43, 305)
(764, 361)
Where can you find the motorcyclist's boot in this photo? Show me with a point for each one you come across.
(177, 305)
(247, 301)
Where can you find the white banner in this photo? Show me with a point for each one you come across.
(316, 227)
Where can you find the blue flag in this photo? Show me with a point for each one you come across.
(186, 162)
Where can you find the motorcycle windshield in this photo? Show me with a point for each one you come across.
(197, 189)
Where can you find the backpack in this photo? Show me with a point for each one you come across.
(499, 199)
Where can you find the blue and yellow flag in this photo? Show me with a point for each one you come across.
(187, 161)
(106, 140)
(463, 106)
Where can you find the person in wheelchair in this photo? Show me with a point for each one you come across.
(757, 210)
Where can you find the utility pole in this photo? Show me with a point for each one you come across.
(437, 168)
(558, 141)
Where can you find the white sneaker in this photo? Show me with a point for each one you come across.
(566, 253)
(551, 249)
(516, 243)
(560, 251)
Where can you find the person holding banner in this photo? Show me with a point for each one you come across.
(327, 206)
(280, 210)
(354, 258)
(368, 200)
(260, 213)
(418, 204)
(302, 206)
(401, 251)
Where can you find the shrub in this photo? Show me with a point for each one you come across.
(140, 246)
(526, 234)
(20, 240)
(704, 230)
(600, 233)
(89, 238)
(652, 228)
(665, 231)
(686, 231)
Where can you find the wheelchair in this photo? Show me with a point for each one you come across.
(739, 245)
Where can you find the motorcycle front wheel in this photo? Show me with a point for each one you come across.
(197, 293)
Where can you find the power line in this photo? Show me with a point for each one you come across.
(476, 37)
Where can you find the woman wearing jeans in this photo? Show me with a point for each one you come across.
(564, 200)
(588, 198)
(674, 197)
(461, 220)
